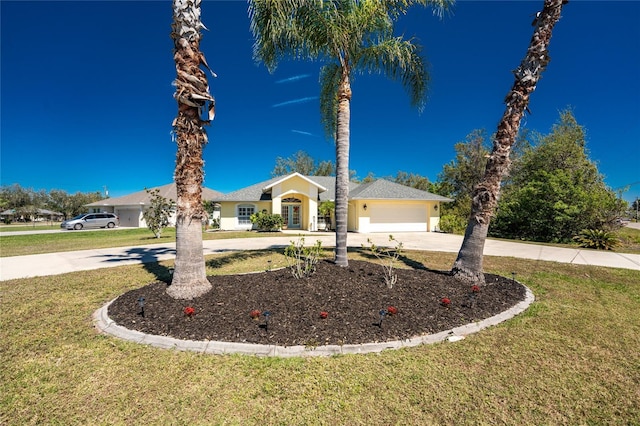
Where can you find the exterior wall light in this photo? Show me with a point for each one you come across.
(364, 207)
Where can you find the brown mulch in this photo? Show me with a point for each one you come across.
(352, 297)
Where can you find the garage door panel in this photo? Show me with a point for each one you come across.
(398, 218)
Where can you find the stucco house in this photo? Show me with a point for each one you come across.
(378, 206)
(129, 208)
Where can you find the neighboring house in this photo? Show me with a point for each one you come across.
(378, 206)
(129, 208)
(37, 216)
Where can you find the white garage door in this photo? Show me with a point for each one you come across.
(398, 218)
(129, 217)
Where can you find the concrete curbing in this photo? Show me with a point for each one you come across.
(106, 325)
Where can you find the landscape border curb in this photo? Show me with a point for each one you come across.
(106, 325)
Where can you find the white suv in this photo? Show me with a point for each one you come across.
(91, 220)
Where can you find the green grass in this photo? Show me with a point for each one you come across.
(19, 245)
(572, 358)
(629, 240)
(34, 226)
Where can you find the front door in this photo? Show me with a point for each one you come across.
(291, 216)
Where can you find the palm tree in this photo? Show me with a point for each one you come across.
(195, 110)
(353, 36)
(468, 265)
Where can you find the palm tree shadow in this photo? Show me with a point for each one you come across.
(237, 256)
(413, 264)
(149, 258)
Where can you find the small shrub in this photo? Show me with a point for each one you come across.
(158, 213)
(597, 239)
(302, 260)
(388, 257)
(267, 221)
(452, 224)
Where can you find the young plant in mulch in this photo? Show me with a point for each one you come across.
(388, 257)
(302, 260)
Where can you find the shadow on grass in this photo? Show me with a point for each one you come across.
(149, 257)
(413, 264)
(240, 256)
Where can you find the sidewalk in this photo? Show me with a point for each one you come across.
(60, 263)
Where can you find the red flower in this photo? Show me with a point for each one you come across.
(188, 311)
(255, 314)
(475, 289)
(324, 314)
(392, 310)
(445, 301)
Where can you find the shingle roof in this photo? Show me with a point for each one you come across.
(141, 197)
(250, 193)
(379, 189)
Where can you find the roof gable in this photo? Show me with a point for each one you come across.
(291, 176)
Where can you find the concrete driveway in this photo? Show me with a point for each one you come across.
(72, 261)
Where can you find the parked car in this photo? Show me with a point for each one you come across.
(91, 220)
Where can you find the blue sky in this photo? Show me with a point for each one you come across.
(86, 95)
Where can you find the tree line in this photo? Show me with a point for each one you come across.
(26, 202)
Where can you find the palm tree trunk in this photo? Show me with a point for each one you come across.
(468, 265)
(192, 93)
(342, 169)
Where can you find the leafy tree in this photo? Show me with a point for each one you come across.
(79, 200)
(195, 110)
(557, 191)
(461, 175)
(158, 213)
(16, 196)
(60, 201)
(304, 164)
(27, 201)
(484, 199)
(353, 36)
(458, 178)
(414, 181)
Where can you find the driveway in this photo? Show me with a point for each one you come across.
(72, 261)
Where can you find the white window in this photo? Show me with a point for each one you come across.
(244, 214)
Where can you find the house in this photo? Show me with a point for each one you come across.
(378, 206)
(129, 208)
(37, 215)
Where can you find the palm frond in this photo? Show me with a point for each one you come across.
(399, 60)
(329, 83)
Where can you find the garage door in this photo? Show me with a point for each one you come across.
(398, 218)
(129, 217)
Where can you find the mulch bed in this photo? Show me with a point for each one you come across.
(352, 297)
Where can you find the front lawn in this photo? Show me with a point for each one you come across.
(19, 245)
(572, 358)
